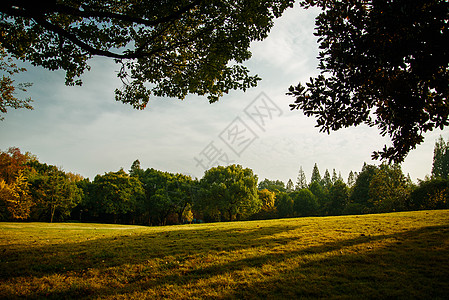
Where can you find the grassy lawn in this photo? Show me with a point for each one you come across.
(397, 255)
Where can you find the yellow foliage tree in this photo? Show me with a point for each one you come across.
(15, 197)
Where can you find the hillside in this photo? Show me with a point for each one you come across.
(401, 255)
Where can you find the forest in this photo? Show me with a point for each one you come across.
(34, 191)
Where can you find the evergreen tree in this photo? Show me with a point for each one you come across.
(327, 181)
(334, 176)
(301, 181)
(290, 186)
(440, 167)
(351, 179)
(316, 177)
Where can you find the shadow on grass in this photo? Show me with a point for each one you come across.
(413, 264)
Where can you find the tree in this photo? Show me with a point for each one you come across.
(165, 48)
(231, 190)
(351, 179)
(384, 64)
(289, 187)
(440, 166)
(305, 203)
(7, 87)
(301, 180)
(284, 205)
(361, 189)
(388, 190)
(430, 194)
(15, 199)
(117, 193)
(268, 208)
(327, 181)
(55, 195)
(338, 198)
(272, 185)
(316, 177)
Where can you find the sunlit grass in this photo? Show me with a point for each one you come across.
(399, 255)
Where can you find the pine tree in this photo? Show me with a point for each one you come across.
(351, 179)
(301, 181)
(334, 176)
(327, 181)
(316, 177)
(290, 186)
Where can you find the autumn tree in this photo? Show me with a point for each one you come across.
(268, 208)
(231, 191)
(384, 64)
(15, 199)
(163, 48)
(54, 193)
(8, 86)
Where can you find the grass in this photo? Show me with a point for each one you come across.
(397, 255)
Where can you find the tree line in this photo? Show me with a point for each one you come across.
(34, 191)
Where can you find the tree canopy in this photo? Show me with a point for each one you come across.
(384, 64)
(164, 48)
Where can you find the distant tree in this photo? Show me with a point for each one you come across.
(135, 169)
(334, 176)
(383, 63)
(117, 194)
(15, 200)
(231, 190)
(361, 189)
(272, 185)
(284, 205)
(430, 194)
(388, 189)
(338, 198)
(54, 193)
(440, 166)
(316, 177)
(351, 179)
(321, 195)
(326, 181)
(301, 180)
(164, 48)
(290, 187)
(8, 88)
(268, 208)
(305, 203)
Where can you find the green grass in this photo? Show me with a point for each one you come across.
(398, 255)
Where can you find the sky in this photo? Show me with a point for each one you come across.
(85, 131)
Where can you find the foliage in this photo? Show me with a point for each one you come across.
(432, 194)
(289, 187)
(54, 194)
(388, 189)
(116, 194)
(384, 64)
(316, 177)
(361, 189)
(301, 180)
(326, 181)
(7, 87)
(15, 198)
(284, 205)
(272, 185)
(268, 208)
(440, 165)
(165, 48)
(338, 198)
(231, 191)
(304, 203)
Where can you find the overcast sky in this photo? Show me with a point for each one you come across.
(85, 131)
